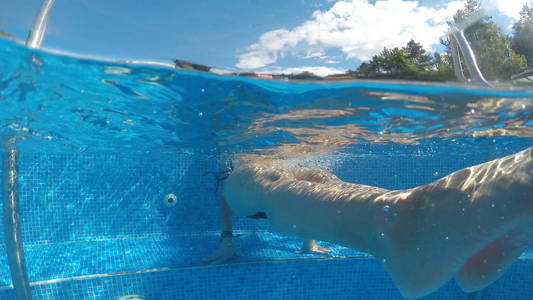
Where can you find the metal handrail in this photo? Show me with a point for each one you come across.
(36, 35)
(460, 45)
(457, 66)
(13, 235)
(458, 37)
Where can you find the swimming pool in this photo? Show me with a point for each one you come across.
(101, 145)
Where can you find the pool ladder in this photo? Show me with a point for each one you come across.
(460, 45)
(10, 197)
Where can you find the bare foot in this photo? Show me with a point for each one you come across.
(310, 246)
(227, 251)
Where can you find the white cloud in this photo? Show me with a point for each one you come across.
(358, 28)
(315, 53)
(509, 8)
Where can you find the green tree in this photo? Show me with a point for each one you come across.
(407, 62)
(491, 46)
(469, 13)
(418, 56)
(442, 67)
(364, 70)
(305, 75)
(522, 42)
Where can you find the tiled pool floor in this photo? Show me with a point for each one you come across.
(71, 259)
(160, 266)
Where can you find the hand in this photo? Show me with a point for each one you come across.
(226, 251)
(310, 246)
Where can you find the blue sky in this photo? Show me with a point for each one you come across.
(323, 36)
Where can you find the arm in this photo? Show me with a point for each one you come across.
(227, 244)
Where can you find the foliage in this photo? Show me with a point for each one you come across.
(365, 70)
(470, 12)
(443, 67)
(491, 46)
(305, 75)
(495, 57)
(409, 62)
(522, 42)
(526, 14)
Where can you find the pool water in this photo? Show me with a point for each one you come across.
(102, 144)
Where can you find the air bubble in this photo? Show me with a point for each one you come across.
(472, 111)
(200, 114)
(436, 173)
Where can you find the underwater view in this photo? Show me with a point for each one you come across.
(133, 179)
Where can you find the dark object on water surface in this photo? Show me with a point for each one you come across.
(258, 215)
(186, 65)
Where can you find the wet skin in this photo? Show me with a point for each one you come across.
(471, 224)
